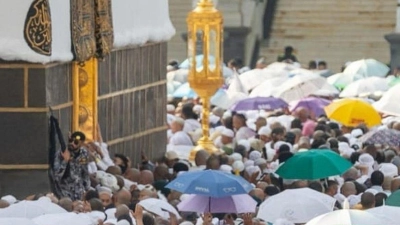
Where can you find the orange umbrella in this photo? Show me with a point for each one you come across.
(352, 112)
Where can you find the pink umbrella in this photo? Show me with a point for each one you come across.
(242, 203)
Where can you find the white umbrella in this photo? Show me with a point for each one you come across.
(282, 66)
(347, 217)
(388, 103)
(252, 78)
(64, 219)
(265, 88)
(299, 87)
(159, 207)
(178, 75)
(226, 98)
(341, 80)
(365, 86)
(30, 209)
(367, 68)
(301, 72)
(326, 91)
(236, 84)
(16, 221)
(297, 205)
(388, 213)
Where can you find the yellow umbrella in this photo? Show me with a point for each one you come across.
(352, 112)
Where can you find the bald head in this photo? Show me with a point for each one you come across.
(201, 157)
(348, 188)
(66, 203)
(367, 200)
(114, 170)
(161, 172)
(302, 113)
(4, 204)
(258, 193)
(351, 174)
(123, 197)
(395, 185)
(133, 175)
(146, 177)
(121, 210)
(396, 126)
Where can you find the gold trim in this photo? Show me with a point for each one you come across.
(127, 91)
(26, 87)
(24, 167)
(35, 109)
(140, 134)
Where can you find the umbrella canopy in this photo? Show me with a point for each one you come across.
(259, 103)
(199, 62)
(394, 199)
(225, 98)
(211, 183)
(159, 207)
(352, 112)
(388, 213)
(313, 104)
(252, 78)
(367, 68)
(16, 221)
(30, 209)
(313, 164)
(265, 88)
(178, 75)
(184, 91)
(64, 219)
(365, 86)
(385, 137)
(299, 87)
(242, 203)
(341, 80)
(347, 217)
(297, 205)
(388, 103)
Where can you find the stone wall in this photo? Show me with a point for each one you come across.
(131, 112)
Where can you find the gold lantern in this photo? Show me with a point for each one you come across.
(205, 32)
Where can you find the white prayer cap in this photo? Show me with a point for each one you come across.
(225, 168)
(236, 156)
(228, 133)
(227, 114)
(366, 159)
(260, 161)
(110, 181)
(254, 155)
(10, 199)
(388, 169)
(103, 189)
(100, 174)
(171, 155)
(357, 133)
(245, 143)
(249, 163)
(252, 170)
(265, 130)
(238, 166)
(170, 107)
(256, 144)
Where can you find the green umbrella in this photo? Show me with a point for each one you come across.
(393, 199)
(314, 164)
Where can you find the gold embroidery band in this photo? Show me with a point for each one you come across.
(24, 167)
(37, 29)
(103, 28)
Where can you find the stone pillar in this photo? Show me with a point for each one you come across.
(394, 41)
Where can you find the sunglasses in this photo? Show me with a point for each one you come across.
(75, 141)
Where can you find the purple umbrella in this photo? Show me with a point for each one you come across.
(242, 203)
(313, 104)
(259, 103)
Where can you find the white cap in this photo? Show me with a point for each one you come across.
(100, 174)
(225, 168)
(226, 114)
(345, 149)
(238, 165)
(388, 169)
(110, 181)
(245, 143)
(170, 107)
(253, 169)
(123, 222)
(228, 133)
(10, 199)
(249, 163)
(103, 189)
(366, 159)
(265, 130)
(254, 155)
(356, 133)
(260, 161)
(236, 156)
(171, 155)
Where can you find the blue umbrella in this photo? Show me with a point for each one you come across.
(212, 183)
(259, 103)
(199, 62)
(184, 91)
